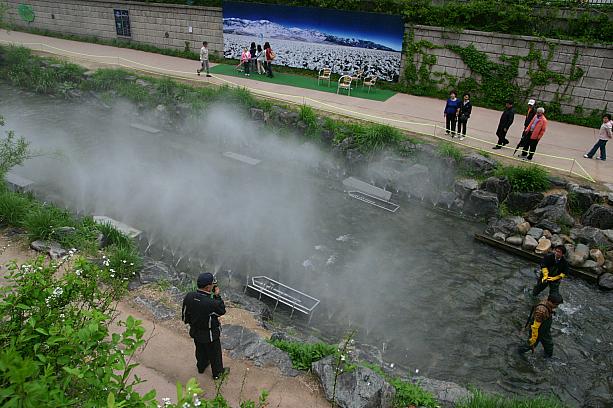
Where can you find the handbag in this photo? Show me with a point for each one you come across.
(272, 55)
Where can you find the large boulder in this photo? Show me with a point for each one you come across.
(445, 392)
(497, 185)
(556, 240)
(515, 240)
(464, 187)
(590, 236)
(605, 281)
(529, 243)
(155, 271)
(357, 388)
(523, 202)
(552, 208)
(598, 216)
(507, 225)
(550, 226)
(524, 227)
(481, 204)
(258, 308)
(244, 343)
(597, 256)
(582, 197)
(578, 255)
(413, 181)
(536, 233)
(544, 245)
(477, 163)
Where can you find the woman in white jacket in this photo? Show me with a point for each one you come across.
(604, 135)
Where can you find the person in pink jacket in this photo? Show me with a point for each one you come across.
(604, 135)
(534, 131)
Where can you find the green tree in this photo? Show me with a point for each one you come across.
(13, 150)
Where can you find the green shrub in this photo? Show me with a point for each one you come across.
(448, 149)
(408, 394)
(124, 261)
(13, 209)
(42, 221)
(113, 236)
(375, 137)
(308, 116)
(525, 179)
(304, 354)
(481, 400)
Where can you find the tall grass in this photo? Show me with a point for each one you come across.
(525, 179)
(375, 137)
(13, 209)
(304, 354)
(481, 400)
(448, 149)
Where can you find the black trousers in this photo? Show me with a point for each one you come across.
(554, 287)
(502, 138)
(209, 354)
(268, 67)
(545, 340)
(450, 121)
(530, 145)
(462, 126)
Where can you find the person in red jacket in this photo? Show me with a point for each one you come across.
(534, 131)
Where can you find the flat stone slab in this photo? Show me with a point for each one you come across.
(17, 183)
(144, 128)
(131, 232)
(242, 158)
(356, 184)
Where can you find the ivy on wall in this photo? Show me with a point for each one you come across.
(549, 18)
(492, 83)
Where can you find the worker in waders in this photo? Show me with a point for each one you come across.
(540, 325)
(554, 268)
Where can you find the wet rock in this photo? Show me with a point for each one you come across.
(355, 157)
(326, 136)
(457, 206)
(64, 231)
(523, 202)
(557, 182)
(497, 185)
(256, 114)
(605, 281)
(287, 118)
(407, 146)
(552, 208)
(506, 226)
(566, 239)
(244, 343)
(590, 236)
(142, 82)
(598, 216)
(445, 392)
(608, 266)
(583, 197)
(155, 271)
(40, 246)
(499, 236)
(556, 240)
(536, 233)
(261, 311)
(478, 163)
(523, 228)
(547, 234)
(481, 204)
(529, 243)
(589, 264)
(608, 233)
(358, 388)
(544, 245)
(578, 255)
(464, 187)
(427, 149)
(56, 251)
(156, 308)
(549, 225)
(515, 240)
(597, 256)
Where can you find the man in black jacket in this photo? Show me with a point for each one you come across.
(201, 310)
(529, 115)
(506, 120)
(554, 268)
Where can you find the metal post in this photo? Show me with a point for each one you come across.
(571, 168)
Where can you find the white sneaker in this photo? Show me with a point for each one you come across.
(586, 156)
(462, 137)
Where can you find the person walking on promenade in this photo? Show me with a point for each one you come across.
(540, 321)
(554, 268)
(259, 56)
(245, 60)
(529, 115)
(451, 113)
(534, 132)
(466, 109)
(269, 56)
(201, 310)
(204, 59)
(252, 51)
(506, 120)
(604, 135)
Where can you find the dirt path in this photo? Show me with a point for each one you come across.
(169, 354)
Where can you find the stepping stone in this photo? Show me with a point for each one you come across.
(355, 184)
(144, 128)
(129, 231)
(17, 183)
(242, 158)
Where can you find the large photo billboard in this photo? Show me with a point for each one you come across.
(313, 38)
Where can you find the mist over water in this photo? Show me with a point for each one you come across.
(414, 280)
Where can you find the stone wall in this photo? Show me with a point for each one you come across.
(594, 90)
(149, 23)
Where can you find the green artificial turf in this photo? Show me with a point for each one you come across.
(306, 82)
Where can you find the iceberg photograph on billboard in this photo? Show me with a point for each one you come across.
(314, 38)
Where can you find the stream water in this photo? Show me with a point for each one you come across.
(414, 283)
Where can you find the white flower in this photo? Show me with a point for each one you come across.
(62, 315)
(166, 401)
(112, 270)
(197, 402)
(112, 275)
(131, 263)
(78, 272)
(58, 291)
(124, 261)
(417, 371)
(186, 405)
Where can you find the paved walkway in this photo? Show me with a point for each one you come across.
(561, 148)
